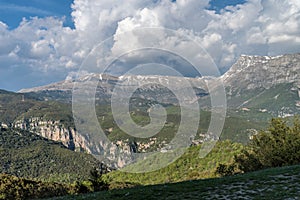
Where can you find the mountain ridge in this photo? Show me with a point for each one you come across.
(249, 72)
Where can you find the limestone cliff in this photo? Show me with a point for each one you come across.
(54, 130)
(57, 131)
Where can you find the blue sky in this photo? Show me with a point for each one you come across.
(219, 4)
(44, 41)
(12, 11)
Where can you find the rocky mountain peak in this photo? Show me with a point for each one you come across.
(252, 72)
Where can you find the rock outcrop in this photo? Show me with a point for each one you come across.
(69, 137)
(54, 130)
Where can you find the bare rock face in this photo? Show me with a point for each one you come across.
(253, 72)
(54, 130)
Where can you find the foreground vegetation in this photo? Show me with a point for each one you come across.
(12, 187)
(277, 146)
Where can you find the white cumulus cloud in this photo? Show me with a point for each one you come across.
(263, 27)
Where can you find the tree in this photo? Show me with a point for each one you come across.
(97, 181)
(278, 146)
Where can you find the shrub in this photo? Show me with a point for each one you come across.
(225, 170)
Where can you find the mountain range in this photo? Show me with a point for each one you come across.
(250, 83)
(257, 88)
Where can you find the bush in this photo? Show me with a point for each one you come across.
(225, 170)
(247, 161)
(83, 187)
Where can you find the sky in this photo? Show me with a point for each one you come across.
(47, 41)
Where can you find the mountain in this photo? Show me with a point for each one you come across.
(38, 136)
(266, 84)
(154, 88)
(257, 87)
(257, 72)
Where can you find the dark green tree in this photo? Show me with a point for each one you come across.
(97, 181)
(278, 146)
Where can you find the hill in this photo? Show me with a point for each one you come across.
(188, 167)
(265, 84)
(275, 183)
(28, 155)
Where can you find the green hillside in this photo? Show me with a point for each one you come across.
(24, 154)
(236, 128)
(188, 167)
(14, 106)
(27, 155)
(276, 101)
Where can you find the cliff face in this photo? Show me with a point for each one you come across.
(253, 72)
(54, 130)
